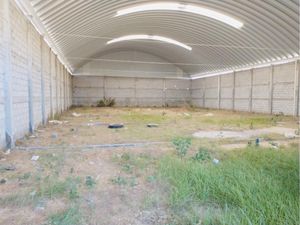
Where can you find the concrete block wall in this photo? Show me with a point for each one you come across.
(87, 90)
(272, 89)
(28, 78)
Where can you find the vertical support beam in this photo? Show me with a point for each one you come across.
(104, 87)
(56, 85)
(296, 88)
(233, 91)
(219, 92)
(164, 93)
(251, 90)
(50, 83)
(204, 92)
(135, 91)
(43, 81)
(271, 84)
(9, 133)
(29, 77)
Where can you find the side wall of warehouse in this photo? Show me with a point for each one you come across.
(273, 89)
(87, 90)
(34, 84)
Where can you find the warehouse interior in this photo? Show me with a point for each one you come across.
(196, 64)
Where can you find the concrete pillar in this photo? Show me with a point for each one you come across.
(50, 83)
(135, 96)
(204, 92)
(251, 90)
(233, 91)
(29, 77)
(271, 89)
(104, 87)
(164, 93)
(9, 133)
(219, 92)
(56, 86)
(296, 88)
(43, 74)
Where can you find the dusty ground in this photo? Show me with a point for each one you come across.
(72, 183)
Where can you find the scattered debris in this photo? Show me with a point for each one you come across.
(9, 167)
(216, 161)
(57, 122)
(209, 114)
(115, 126)
(152, 125)
(35, 157)
(76, 114)
(32, 136)
(257, 141)
(290, 135)
(3, 181)
(7, 152)
(96, 124)
(186, 114)
(54, 135)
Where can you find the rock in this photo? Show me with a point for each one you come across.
(9, 167)
(216, 161)
(115, 126)
(35, 158)
(152, 125)
(186, 114)
(76, 114)
(7, 152)
(54, 135)
(3, 181)
(57, 122)
(209, 114)
(290, 135)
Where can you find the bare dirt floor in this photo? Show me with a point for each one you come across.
(75, 170)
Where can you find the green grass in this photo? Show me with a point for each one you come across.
(71, 216)
(250, 186)
(139, 117)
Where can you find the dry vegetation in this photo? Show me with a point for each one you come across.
(171, 182)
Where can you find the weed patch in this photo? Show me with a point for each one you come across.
(71, 216)
(253, 186)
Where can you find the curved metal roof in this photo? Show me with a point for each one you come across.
(80, 29)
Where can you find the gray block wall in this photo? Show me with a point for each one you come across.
(273, 89)
(87, 90)
(30, 77)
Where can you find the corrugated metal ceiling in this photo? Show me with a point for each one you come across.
(81, 28)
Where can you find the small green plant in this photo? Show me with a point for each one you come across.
(182, 145)
(71, 216)
(202, 155)
(90, 182)
(127, 168)
(119, 180)
(106, 102)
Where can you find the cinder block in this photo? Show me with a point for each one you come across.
(284, 73)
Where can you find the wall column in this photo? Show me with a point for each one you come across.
(251, 90)
(43, 81)
(296, 88)
(271, 89)
(29, 77)
(233, 92)
(9, 133)
(219, 92)
(50, 83)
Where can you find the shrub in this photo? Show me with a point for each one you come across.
(202, 155)
(182, 145)
(106, 102)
